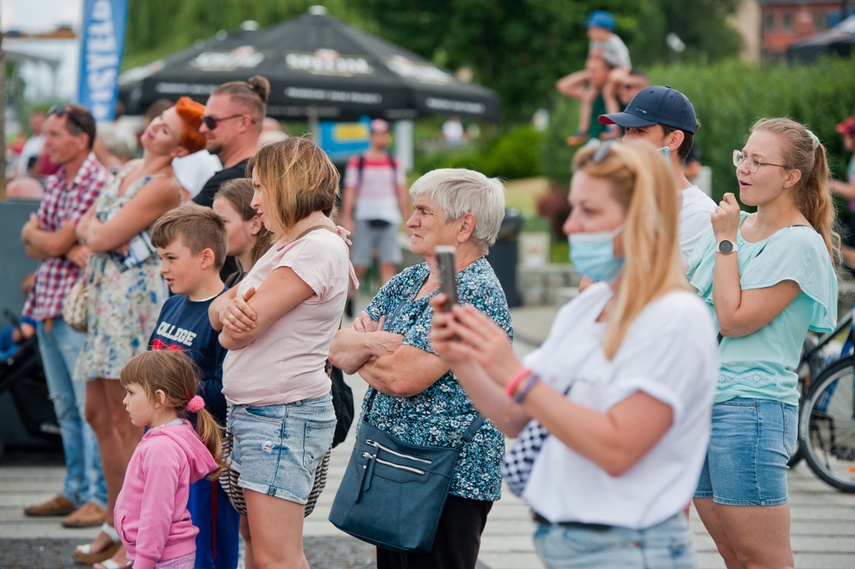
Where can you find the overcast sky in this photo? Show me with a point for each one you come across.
(39, 15)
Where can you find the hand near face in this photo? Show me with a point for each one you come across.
(725, 218)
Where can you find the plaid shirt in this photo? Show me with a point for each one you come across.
(60, 206)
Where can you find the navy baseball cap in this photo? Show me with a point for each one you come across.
(656, 105)
(601, 19)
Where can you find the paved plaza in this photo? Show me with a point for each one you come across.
(823, 526)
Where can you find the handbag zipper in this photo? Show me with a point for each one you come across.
(396, 453)
(366, 454)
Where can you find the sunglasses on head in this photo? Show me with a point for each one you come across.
(211, 122)
(602, 151)
(60, 112)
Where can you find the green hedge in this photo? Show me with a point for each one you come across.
(728, 98)
(516, 154)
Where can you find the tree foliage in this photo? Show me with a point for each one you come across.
(157, 28)
(521, 47)
(702, 25)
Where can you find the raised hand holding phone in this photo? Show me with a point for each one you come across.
(447, 282)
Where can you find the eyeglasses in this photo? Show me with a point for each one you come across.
(628, 86)
(211, 122)
(753, 164)
(60, 112)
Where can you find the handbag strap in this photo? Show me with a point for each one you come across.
(314, 227)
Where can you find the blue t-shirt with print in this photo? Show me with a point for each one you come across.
(183, 324)
(440, 414)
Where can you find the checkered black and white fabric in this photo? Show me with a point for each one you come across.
(520, 460)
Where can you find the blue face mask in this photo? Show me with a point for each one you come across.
(593, 254)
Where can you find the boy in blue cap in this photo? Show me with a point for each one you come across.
(666, 118)
(605, 45)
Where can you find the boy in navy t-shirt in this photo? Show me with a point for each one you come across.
(191, 241)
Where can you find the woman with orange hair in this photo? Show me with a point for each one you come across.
(126, 292)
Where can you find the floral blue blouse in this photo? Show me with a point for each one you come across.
(439, 415)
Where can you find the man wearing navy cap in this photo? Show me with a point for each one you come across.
(666, 118)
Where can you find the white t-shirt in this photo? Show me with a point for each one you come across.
(286, 362)
(670, 352)
(32, 149)
(376, 188)
(694, 219)
(195, 169)
(615, 52)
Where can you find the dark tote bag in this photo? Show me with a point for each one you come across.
(393, 493)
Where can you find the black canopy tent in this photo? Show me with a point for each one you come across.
(318, 68)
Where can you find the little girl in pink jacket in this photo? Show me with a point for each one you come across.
(151, 511)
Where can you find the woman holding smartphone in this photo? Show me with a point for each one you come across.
(412, 394)
(618, 397)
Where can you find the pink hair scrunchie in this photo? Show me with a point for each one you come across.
(195, 404)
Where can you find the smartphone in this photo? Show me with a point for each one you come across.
(666, 152)
(447, 282)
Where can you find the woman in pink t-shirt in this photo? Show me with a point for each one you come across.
(278, 324)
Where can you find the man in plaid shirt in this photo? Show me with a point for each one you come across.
(50, 236)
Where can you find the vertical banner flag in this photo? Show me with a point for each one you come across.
(102, 44)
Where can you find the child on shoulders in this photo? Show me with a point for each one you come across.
(589, 85)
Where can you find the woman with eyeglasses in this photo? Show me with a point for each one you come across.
(125, 292)
(767, 278)
(618, 397)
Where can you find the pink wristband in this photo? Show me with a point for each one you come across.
(512, 386)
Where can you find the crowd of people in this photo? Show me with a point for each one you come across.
(214, 307)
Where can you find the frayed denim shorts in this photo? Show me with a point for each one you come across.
(668, 544)
(278, 447)
(746, 463)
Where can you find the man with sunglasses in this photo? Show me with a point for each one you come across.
(50, 236)
(666, 118)
(232, 124)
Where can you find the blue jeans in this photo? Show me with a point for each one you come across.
(59, 349)
(665, 545)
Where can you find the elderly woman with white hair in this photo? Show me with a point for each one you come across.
(413, 394)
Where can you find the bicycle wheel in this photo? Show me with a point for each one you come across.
(809, 367)
(827, 425)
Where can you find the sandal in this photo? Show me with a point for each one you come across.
(578, 138)
(107, 564)
(84, 553)
(612, 131)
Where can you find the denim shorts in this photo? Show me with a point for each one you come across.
(746, 463)
(665, 545)
(278, 447)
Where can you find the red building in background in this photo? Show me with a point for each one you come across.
(783, 22)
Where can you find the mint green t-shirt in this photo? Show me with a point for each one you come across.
(762, 364)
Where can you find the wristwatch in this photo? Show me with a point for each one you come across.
(724, 246)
